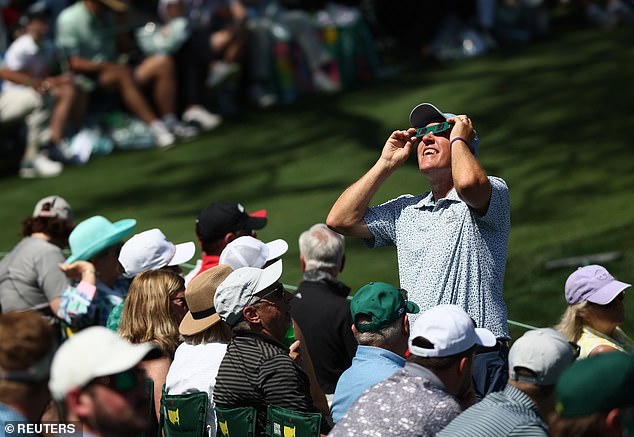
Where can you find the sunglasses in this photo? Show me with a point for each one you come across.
(278, 293)
(434, 129)
(122, 382)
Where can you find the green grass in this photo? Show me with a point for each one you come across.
(554, 120)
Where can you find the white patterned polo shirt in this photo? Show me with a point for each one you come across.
(448, 253)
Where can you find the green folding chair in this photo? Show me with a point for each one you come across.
(286, 423)
(184, 415)
(236, 422)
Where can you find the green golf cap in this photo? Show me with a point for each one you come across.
(596, 384)
(383, 303)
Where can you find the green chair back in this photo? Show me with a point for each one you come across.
(184, 415)
(236, 422)
(286, 423)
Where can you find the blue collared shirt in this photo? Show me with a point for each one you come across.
(10, 417)
(370, 366)
(448, 253)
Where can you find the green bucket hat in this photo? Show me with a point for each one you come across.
(96, 234)
(596, 384)
(383, 302)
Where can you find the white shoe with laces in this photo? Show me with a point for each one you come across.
(220, 73)
(324, 84)
(162, 136)
(41, 167)
(182, 131)
(200, 116)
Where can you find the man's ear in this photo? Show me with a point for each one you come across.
(613, 426)
(229, 237)
(302, 262)
(405, 326)
(354, 330)
(251, 315)
(80, 403)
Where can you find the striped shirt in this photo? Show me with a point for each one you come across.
(507, 413)
(448, 253)
(257, 371)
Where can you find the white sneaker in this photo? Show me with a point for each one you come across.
(262, 97)
(162, 136)
(41, 167)
(324, 84)
(220, 73)
(200, 116)
(182, 131)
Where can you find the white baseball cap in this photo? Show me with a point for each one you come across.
(89, 354)
(151, 250)
(239, 288)
(248, 251)
(545, 352)
(450, 329)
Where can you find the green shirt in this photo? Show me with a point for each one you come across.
(83, 34)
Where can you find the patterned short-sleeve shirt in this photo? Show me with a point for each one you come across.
(448, 253)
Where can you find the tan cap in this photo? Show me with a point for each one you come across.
(115, 5)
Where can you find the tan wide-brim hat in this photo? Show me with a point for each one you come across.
(200, 300)
(116, 5)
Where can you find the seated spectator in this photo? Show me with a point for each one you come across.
(150, 250)
(381, 327)
(248, 251)
(432, 388)
(30, 90)
(595, 312)
(87, 33)
(198, 358)
(536, 360)
(321, 307)
(26, 349)
(257, 370)
(219, 224)
(96, 376)
(148, 316)
(95, 244)
(30, 278)
(268, 21)
(192, 58)
(594, 397)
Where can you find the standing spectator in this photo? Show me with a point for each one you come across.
(595, 312)
(30, 278)
(594, 397)
(381, 327)
(321, 307)
(257, 369)
(26, 349)
(432, 388)
(536, 361)
(451, 242)
(87, 33)
(96, 376)
(205, 335)
(30, 87)
(95, 244)
(218, 225)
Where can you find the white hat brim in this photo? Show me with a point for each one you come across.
(277, 248)
(183, 253)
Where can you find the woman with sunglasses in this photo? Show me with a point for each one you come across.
(595, 312)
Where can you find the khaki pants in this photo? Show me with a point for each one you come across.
(24, 103)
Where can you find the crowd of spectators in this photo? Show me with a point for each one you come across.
(82, 78)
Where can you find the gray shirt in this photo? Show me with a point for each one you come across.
(412, 402)
(448, 253)
(501, 414)
(30, 276)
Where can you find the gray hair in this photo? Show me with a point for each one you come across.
(321, 247)
(383, 337)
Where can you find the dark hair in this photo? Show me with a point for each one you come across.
(584, 426)
(436, 363)
(56, 228)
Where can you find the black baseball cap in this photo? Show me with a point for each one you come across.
(221, 218)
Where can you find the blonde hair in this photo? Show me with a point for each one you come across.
(220, 332)
(146, 313)
(572, 321)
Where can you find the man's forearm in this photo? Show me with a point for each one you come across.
(346, 215)
(469, 178)
(83, 65)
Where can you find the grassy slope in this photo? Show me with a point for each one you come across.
(554, 121)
